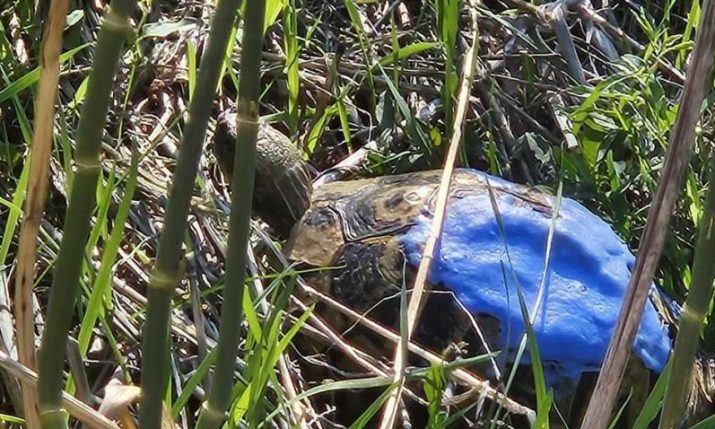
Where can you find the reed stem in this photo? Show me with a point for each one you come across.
(212, 414)
(65, 280)
(692, 315)
(165, 277)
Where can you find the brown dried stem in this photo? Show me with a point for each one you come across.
(697, 86)
(36, 196)
(468, 67)
(75, 407)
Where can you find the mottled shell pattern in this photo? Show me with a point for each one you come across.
(355, 210)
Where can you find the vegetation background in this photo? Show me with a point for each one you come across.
(574, 94)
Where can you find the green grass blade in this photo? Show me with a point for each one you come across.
(653, 403)
(372, 410)
(707, 423)
(407, 51)
(31, 78)
(192, 383)
(103, 282)
(15, 211)
(290, 25)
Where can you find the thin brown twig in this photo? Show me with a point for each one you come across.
(36, 196)
(468, 68)
(76, 408)
(461, 375)
(588, 13)
(360, 357)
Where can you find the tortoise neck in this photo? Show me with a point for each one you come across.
(282, 188)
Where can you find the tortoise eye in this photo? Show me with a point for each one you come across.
(393, 201)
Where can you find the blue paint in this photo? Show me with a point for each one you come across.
(589, 272)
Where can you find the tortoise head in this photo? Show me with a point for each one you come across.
(282, 187)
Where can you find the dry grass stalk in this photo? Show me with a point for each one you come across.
(75, 407)
(697, 86)
(36, 196)
(468, 68)
(461, 375)
(328, 334)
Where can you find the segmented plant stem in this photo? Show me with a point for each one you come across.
(166, 274)
(239, 223)
(65, 280)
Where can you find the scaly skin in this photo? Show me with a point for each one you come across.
(283, 180)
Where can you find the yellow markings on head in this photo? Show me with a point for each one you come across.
(316, 239)
(402, 204)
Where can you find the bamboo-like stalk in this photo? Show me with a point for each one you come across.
(35, 202)
(165, 276)
(212, 415)
(693, 314)
(65, 279)
(697, 86)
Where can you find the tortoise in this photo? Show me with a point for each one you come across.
(492, 250)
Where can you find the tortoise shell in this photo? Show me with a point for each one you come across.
(371, 234)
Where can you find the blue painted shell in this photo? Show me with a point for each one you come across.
(372, 228)
(487, 266)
